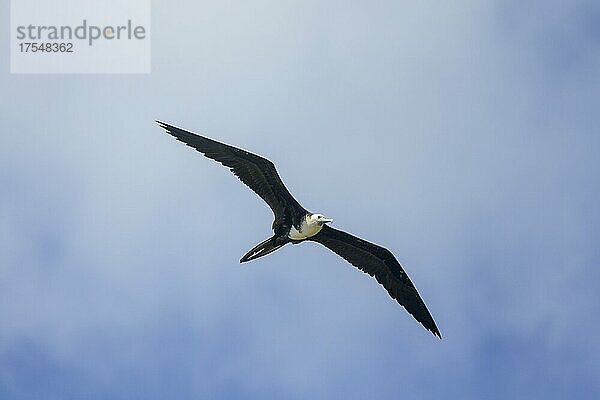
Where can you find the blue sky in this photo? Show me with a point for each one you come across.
(463, 137)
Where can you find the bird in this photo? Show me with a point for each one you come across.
(294, 224)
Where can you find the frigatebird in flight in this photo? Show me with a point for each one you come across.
(294, 224)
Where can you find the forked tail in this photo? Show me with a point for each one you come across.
(262, 249)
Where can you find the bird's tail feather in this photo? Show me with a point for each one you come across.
(262, 249)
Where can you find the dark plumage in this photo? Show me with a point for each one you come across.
(380, 263)
(294, 224)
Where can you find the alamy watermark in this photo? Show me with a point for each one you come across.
(51, 37)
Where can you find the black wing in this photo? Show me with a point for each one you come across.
(257, 172)
(380, 263)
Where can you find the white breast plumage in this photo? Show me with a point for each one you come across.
(307, 229)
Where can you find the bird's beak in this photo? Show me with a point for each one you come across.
(327, 220)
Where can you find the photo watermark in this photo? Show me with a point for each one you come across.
(86, 36)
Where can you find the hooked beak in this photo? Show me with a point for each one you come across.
(327, 220)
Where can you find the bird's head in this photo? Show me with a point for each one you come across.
(320, 219)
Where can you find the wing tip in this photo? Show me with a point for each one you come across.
(163, 125)
(179, 133)
(172, 130)
(433, 329)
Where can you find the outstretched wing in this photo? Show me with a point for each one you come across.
(258, 173)
(381, 264)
